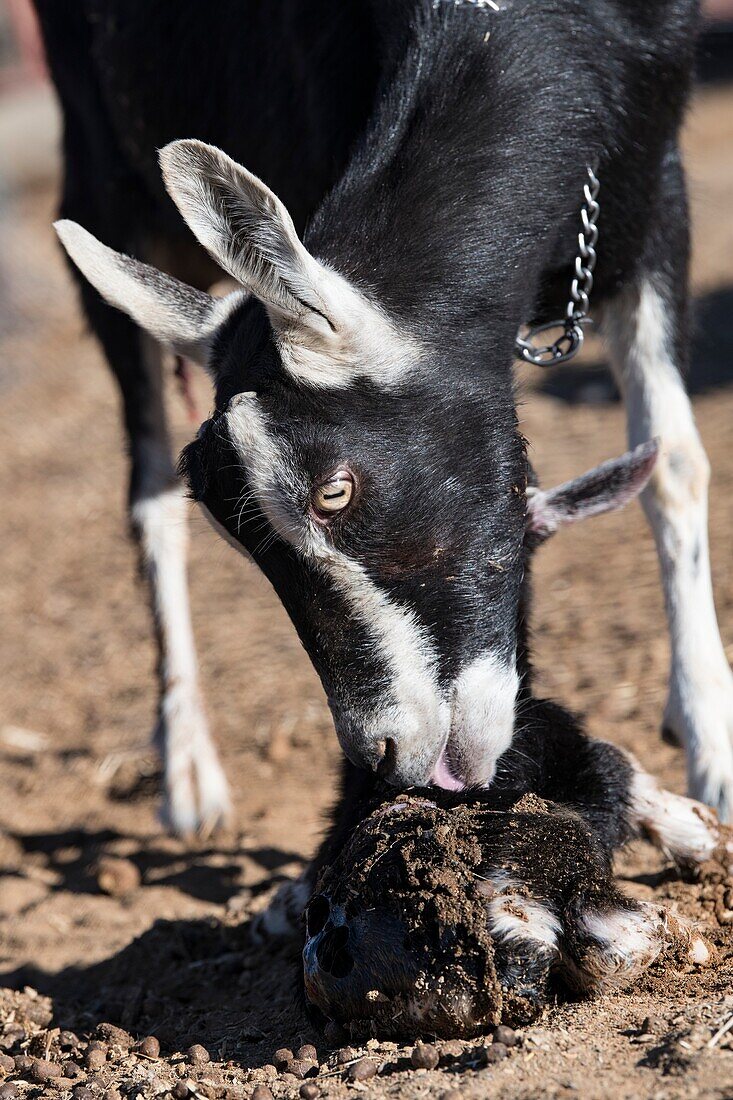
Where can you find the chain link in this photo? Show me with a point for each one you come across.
(576, 315)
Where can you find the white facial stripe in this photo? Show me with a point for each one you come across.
(483, 716)
(419, 714)
(416, 712)
(270, 471)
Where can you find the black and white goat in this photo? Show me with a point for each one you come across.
(431, 154)
(405, 935)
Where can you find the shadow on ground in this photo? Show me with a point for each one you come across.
(711, 365)
(186, 981)
(211, 874)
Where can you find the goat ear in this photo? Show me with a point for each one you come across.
(184, 319)
(249, 232)
(603, 489)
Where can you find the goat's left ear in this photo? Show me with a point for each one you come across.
(607, 487)
(184, 319)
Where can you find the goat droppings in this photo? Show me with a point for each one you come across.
(506, 1035)
(261, 1092)
(117, 877)
(149, 1047)
(424, 1056)
(42, 1070)
(198, 1054)
(282, 1057)
(363, 1070)
(497, 1052)
(301, 1068)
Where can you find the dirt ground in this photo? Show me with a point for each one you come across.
(77, 780)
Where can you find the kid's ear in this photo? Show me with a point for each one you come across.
(603, 489)
(184, 319)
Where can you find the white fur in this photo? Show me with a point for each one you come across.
(687, 830)
(482, 721)
(197, 798)
(627, 942)
(283, 916)
(700, 704)
(515, 917)
(328, 332)
(184, 319)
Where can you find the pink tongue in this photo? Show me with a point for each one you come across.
(443, 777)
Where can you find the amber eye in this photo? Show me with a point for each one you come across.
(333, 495)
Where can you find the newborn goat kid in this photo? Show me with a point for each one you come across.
(448, 912)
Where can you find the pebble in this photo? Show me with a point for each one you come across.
(7, 1064)
(23, 1064)
(95, 1058)
(346, 1054)
(282, 1057)
(117, 877)
(363, 1070)
(307, 1053)
(149, 1047)
(43, 1070)
(8, 1091)
(506, 1035)
(181, 1090)
(81, 1092)
(309, 1091)
(68, 1040)
(497, 1052)
(261, 1092)
(424, 1056)
(73, 1069)
(198, 1054)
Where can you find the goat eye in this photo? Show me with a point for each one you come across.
(333, 495)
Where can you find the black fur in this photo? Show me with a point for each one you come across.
(435, 155)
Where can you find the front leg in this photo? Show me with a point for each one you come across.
(687, 831)
(646, 328)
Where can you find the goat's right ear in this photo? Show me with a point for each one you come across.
(184, 319)
(604, 489)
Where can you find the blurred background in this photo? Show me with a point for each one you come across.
(77, 696)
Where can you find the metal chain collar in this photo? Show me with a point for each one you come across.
(576, 315)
